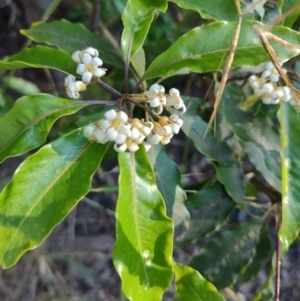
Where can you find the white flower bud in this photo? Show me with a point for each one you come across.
(89, 130)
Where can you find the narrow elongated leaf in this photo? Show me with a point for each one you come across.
(137, 18)
(191, 286)
(168, 183)
(260, 138)
(143, 250)
(71, 37)
(204, 48)
(286, 5)
(219, 11)
(20, 85)
(209, 209)
(40, 57)
(43, 191)
(228, 170)
(30, 120)
(222, 259)
(289, 128)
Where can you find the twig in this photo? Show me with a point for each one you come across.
(102, 102)
(108, 87)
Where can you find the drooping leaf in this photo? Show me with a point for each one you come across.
(40, 57)
(191, 286)
(43, 191)
(29, 121)
(209, 209)
(70, 37)
(137, 18)
(260, 138)
(222, 259)
(289, 130)
(226, 10)
(287, 5)
(204, 49)
(228, 170)
(168, 183)
(143, 250)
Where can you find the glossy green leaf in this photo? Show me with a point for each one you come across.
(204, 48)
(143, 250)
(287, 5)
(263, 251)
(137, 18)
(71, 37)
(29, 121)
(40, 57)
(228, 170)
(209, 208)
(168, 183)
(290, 128)
(43, 191)
(259, 137)
(191, 286)
(222, 258)
(213, 9)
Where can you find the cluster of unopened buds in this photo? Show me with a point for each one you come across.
(127, 133)
(267, 88)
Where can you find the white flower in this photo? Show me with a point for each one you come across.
(175, 100)
(116, 126)
(174, 122)
(161, 134)
(155, 97)
(73, 87)
(88, 64)
(89, 131)
(129, 144)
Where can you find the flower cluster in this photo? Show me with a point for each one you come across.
(128, 133)
(267, 88)
(88, 67)
(156, 98)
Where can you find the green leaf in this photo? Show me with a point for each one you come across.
(263, 251)
(137, 18)
(43, 191)
(213, 9)
(260, 138)
(29, 121)
(289, 130)
(209, 208)
(228, 170)
(20, 85)
(204, 49)
(139, 62)
(168, 182)
(191, 286)
(40, 57)
(71, 37)
(222, 259)
(143, 250)
(286, 5)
